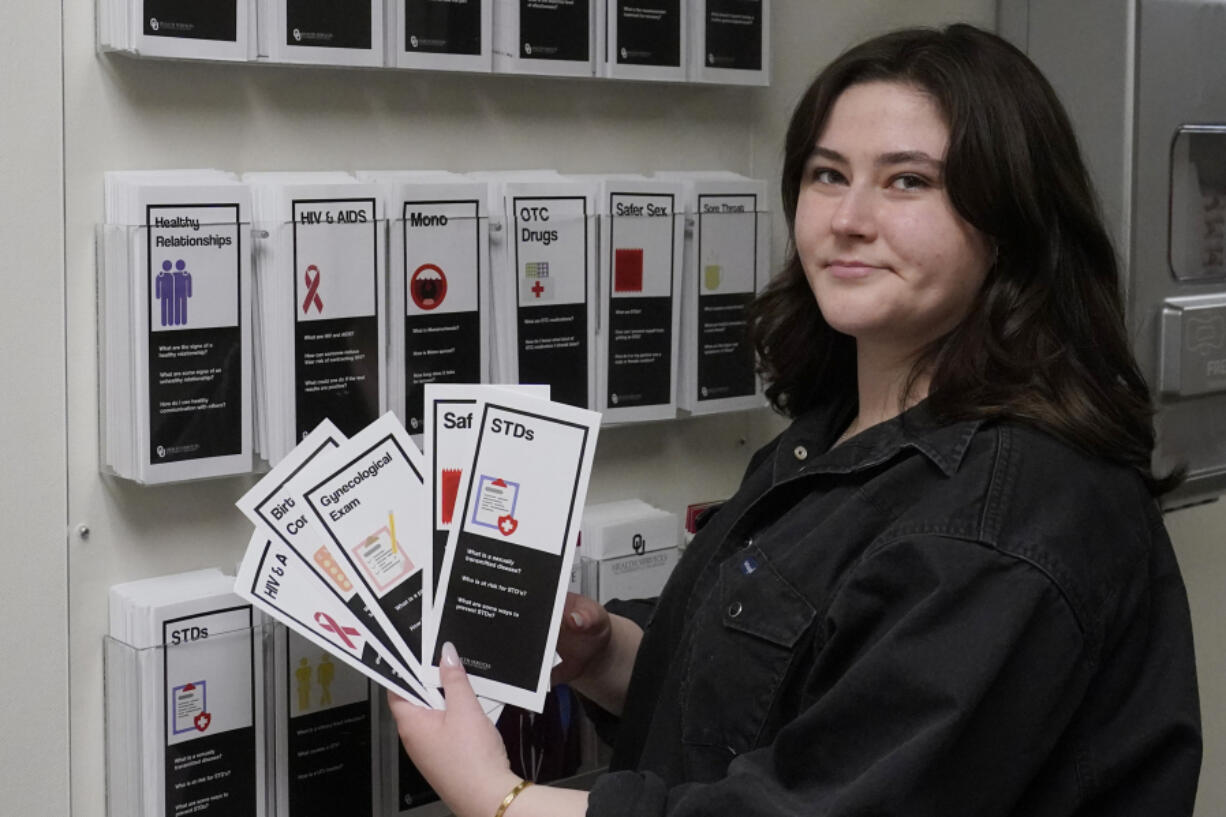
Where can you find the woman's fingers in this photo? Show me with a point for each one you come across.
(461, 699)
(581, 613)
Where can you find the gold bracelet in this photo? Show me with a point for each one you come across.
(511, 795)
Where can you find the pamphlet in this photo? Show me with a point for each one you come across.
(507, 563)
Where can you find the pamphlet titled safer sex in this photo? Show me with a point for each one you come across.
(508, 557)
(373, 505)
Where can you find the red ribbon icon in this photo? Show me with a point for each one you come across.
(326, 622)
(312, 296)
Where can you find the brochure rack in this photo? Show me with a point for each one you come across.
(175, 350)
(148, 774)
(725, 267)
(699, 41)
(184, 733)
(641, 273)
(543, 251)
(440, 305)
(320, 317)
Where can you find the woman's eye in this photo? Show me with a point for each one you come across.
(826, 175)
(909, 181)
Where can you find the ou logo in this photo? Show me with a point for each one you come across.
(639, 543)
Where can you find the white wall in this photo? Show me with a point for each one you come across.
(114, 113)
(33, 599)
(1199, 535)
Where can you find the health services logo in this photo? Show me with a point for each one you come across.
(154, 24)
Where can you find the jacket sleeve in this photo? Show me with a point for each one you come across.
(943, 675)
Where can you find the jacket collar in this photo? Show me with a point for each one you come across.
(804, 448)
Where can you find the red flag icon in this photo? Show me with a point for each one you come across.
(451, 487)
(628, 270)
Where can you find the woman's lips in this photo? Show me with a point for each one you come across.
(844, 268)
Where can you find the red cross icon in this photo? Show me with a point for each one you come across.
(537, 289)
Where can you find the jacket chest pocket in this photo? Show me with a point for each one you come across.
(745, 638)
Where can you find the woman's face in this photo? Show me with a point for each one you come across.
(889, 260)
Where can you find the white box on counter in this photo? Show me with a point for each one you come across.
(625, 528)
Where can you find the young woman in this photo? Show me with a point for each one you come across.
(946, 589)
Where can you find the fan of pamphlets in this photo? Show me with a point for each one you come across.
(380, 554)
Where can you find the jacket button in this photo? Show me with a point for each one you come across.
(734, 609)
(800, 452)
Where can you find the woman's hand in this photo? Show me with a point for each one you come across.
(598, 652)
(582, 639)
(457, 750)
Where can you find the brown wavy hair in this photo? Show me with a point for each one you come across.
(1045, 341)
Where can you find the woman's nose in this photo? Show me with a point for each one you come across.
(854, 216)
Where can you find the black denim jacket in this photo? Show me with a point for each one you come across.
(966, 619)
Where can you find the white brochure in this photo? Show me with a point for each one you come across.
(175, 330)
(321, 33)
(643, 39)
(371, 501)
(544, 268)
(327, 732)
(508, 560)
(534, 37)
(321, 312)
(439, 302)
(276, 579)
(440, 35)
(219, 30)
(730, 41)
(642, 229)
(727, 262)
(449, 438)
(276, 507)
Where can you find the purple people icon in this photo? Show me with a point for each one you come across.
(164, 291)
(172, 289)
(183, 291)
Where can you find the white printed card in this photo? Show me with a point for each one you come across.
(508, 556)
